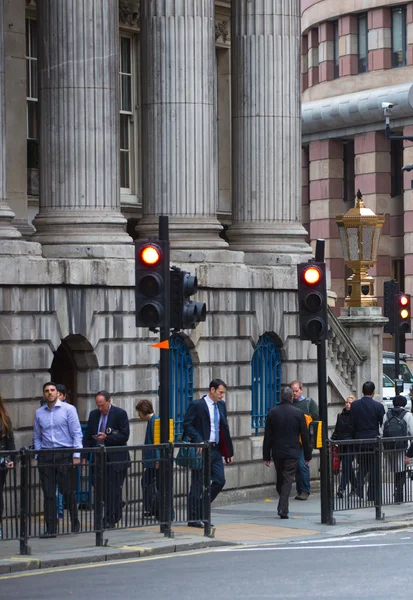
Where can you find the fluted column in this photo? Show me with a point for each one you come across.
(178, 121)
(7, 230)
(79, 136)
(266, 121)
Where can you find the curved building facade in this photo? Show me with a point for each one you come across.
(357, 54)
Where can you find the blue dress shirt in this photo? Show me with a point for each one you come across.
(58, 427)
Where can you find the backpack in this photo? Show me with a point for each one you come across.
(395, 426)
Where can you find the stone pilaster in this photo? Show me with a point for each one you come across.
(179, 155)
(79, 138)
(7, 230)
(266, 131)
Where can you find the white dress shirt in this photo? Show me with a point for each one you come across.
(210, 404)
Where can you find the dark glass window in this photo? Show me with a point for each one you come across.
(398, 37)
(348, 171)
(336, 51)
(362, 44)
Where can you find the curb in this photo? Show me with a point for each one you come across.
(95, 555)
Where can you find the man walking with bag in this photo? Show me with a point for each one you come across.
(284, 427)
(309, 408)
(206, 421)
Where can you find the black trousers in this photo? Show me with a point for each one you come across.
(57, 469)
(195, 496)
(285, 469)
(3, 475)
(114, 480)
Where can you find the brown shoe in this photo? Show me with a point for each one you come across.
(302, 496)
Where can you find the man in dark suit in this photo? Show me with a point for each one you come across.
(284, 426)
(366, 417)
(108, 426)
(206, 421)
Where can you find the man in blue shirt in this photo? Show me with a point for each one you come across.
(57, 426)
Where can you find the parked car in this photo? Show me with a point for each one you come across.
(389, 374)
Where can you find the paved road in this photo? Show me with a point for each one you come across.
(369, 566)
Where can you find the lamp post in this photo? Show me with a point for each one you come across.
(360, 230)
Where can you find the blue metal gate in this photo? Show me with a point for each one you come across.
(266, 380)
(182, 382)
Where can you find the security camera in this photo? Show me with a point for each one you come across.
(408, 168)
(387, 105)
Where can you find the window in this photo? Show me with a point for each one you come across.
(348, 171)
(398, 37)
(336, 51)
(32, 105)
(266, 380)
(396, 167)
(126, 102)
(362, 44)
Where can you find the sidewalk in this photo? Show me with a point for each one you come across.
(247, 523)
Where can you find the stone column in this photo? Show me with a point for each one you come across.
(79, 137)
(7, 230)
(266, 182)
(179, 154)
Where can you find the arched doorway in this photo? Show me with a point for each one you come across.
(63, 370)
(74, 357)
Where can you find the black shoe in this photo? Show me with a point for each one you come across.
(76, 527)
(283, 516)
(47, 534)
(339, 494)
(197, 524)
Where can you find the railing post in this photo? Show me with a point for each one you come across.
(168, 508)
(99, 475)
(24, 495)
(378, 479)
(206, 459)
(330, 487)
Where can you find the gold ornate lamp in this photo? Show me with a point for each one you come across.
(360, 231)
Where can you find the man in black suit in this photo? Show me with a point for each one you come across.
(206, 421)
(108, 426)
(366, 417)
(284, 426)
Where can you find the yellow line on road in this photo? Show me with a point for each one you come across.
(105, 564)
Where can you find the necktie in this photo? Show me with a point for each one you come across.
(216, 422)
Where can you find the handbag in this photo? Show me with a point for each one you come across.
(189, 457)
(336, 460)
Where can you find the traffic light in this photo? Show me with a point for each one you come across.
(403, 311)
(185, 313)
(151, 265)
(390, 290)
(312, 300)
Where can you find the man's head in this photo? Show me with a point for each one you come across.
(297, 387)
(145, 409)
(61, 391)
(50, 393)
(217, 389)
(287, 395)
(103, 402)
(368, 388)
(399, 401)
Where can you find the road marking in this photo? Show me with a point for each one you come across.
(113, 563)
(332, 547)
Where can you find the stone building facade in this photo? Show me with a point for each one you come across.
(111, 113)
(356, 55)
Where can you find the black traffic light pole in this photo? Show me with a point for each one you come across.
(164, 363)
(164, 389)
(325, 483)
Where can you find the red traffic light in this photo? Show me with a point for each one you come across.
(403, 300)
(312, 275)
(150, 255)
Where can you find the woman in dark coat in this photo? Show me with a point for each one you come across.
(6, 445)
(150, 479)
(343, 431)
